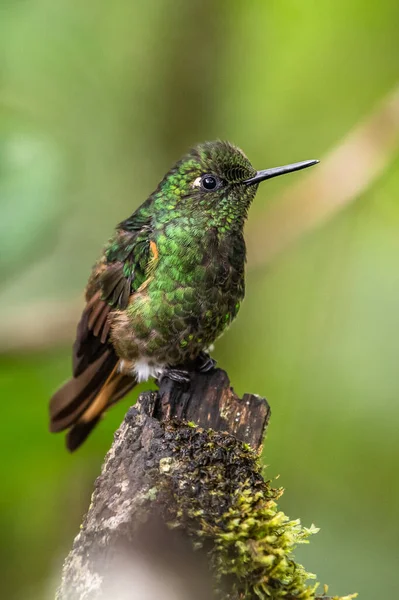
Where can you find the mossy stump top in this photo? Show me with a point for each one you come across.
(182, 498)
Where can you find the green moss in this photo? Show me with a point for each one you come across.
(220, 499)
(254, 544)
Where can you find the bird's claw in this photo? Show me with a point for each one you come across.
(178, 375)
(205, 363)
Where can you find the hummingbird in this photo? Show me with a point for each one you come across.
(168, 284)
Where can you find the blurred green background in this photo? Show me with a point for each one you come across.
(97, 100)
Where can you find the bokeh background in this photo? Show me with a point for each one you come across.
(97, 100)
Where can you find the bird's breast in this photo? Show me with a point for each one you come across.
(197, 269)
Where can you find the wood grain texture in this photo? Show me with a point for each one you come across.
(211, 403)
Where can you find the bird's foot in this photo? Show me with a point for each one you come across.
(178, 375)
(202, 364)
(205, 363)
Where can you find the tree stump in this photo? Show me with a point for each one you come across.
(181, 510)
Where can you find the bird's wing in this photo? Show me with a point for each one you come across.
(122, 271)
(126, 263)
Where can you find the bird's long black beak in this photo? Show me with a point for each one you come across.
(276, 171)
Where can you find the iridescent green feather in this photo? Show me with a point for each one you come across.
(194, 289)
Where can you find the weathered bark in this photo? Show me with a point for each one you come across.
(154, 453)
(211, 403)
(181, 510)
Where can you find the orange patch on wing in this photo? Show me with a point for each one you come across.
(150, 267)
(154, 250)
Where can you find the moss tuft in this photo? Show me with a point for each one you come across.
(220, 499)
(254, 544)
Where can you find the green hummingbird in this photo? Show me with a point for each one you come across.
(168, 284)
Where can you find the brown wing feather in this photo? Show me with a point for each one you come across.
(92, 337)
(94, 358)
(88, 346)
(96, 383)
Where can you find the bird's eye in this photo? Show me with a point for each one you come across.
(210, 182)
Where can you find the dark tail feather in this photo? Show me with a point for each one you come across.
(74, 397)
(80, 402)
(79, 432)
(125, 385)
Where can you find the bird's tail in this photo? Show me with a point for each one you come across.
(79, 404)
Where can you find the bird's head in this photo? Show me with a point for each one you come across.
(216, 179)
